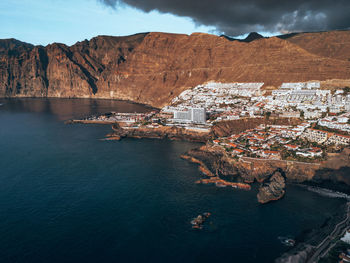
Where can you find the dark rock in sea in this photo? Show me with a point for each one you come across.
(273, 189)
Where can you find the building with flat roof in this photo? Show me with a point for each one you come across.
(192, 115)
(198, 115)
(339, 139)
(182, 115)
(317, 135)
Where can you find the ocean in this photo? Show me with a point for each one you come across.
(68, 196)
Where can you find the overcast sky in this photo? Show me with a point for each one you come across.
(235, 17)
(47, 21)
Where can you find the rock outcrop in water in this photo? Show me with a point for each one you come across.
(267, 172)
(152, 68)
(252, 169)
(273, 189)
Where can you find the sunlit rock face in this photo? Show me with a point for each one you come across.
(273, 189)
(153, 68)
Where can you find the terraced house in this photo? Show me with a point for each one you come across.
(339, 139)
(316, 135)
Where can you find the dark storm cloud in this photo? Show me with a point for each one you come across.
(235, 17)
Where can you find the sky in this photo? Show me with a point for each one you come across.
(41, 22)
(68, 21)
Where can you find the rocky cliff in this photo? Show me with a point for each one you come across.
(252, 169)
(273, 189)
(271, 174)
(152, 68)
(163, 132)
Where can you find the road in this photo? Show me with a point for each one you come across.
(325, 246)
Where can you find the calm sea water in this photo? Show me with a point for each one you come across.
(66, 196)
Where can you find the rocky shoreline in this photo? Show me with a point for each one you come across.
(163, 132)
(308, 242)
(216, 166)
(222, 170)
(272, 175)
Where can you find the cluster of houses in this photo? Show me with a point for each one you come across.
(261, 141)
(212, 102)
(272, 141)
(307, 98)
(340, 122)
(127, 118)
(229, 101)
(325, 137)
(213, 94)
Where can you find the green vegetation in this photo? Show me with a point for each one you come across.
(228, 149)
(323, 128)
(267, 115)
(213, 117)
(346, 90)
(292, 156)
(277, 147)
(333, 255)
(146, 123)
(252, 155)
(235, 157)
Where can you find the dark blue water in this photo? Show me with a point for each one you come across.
(66, 196)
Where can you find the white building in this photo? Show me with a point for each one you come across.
(316, 135)
(182, 115)
(334, 109)
(194, 115)
(312, 115)
(347, 106)
(301, 85)
(290, 114)
(339, 139)
(198, 115)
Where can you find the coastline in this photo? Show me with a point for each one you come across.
(75, 193)
(76, 121)
(219, 170)
(215, 163)
(80, 98)
(316, 243)
(256, 170)
(163, 132)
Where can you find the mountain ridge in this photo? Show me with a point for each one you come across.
(154, 67)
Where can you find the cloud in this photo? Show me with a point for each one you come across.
(236, 17)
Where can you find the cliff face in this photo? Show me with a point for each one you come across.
(272, 190)
(61, 71)
(271, 174)
(22, 69)
(153, 68)
(252, 169)
(172, 133)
